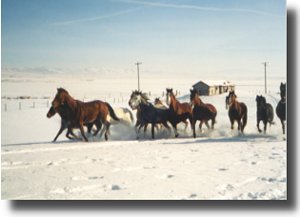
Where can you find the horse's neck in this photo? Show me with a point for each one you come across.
(145, 106)
(71, 104)
(174, 102)
(234, 104)
(198, 101)
(262, 106)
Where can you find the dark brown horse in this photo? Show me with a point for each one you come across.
(237, 111)
(80, 113)
(281, 106)
(65, 122)
(202, 112)
(264, 113)
(179, 112)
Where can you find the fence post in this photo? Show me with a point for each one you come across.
(20, 105)
(5, 107)
(47, 103)
(33, 104)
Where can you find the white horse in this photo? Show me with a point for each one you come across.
(125, 116)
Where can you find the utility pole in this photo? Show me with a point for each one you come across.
(265, 64)
(138, 73)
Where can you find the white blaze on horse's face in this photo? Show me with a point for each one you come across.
(168, 98)
(134, 101)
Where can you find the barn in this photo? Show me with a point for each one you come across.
(209, 88)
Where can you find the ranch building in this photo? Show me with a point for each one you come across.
(209, 88)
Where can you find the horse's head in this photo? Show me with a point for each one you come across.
(168, 95)
(60, 98)
(136, 98)
(157, 101)
(194, 96)
(260, 101)
(230, 99)
(283, 90)
(51, 112)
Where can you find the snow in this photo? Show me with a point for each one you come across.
(218, 164)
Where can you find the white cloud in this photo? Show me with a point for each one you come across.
(96, 18)
(196, 7)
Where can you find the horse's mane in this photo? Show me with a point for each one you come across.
(60, 89)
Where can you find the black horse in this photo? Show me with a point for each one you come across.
(148, 113)
(281, 106)
(264, 113)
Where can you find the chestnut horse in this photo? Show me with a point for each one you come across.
(179, 112)
(237, 111)
(281, 106)
(65, 122)
(80, 113)
(202, 112)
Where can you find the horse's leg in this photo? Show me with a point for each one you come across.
(70, 131)
(200, 125)
(240, 125)
(137, 124)
(166, 126)
(107, 125)
(90, 127)
(213, 121)
(139, 129)
(99, 126)
(186, 124)
(193, 123)
(82, 132)
(265, 126)
(232, 123)
(207, 125)
(259, 130)
(283, 128)
(152, 130)
(145, 129)
(174, 125)
(62, 128)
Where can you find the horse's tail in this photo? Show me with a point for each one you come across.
(112, 113)
(245, 117)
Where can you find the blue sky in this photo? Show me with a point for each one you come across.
(170, 36)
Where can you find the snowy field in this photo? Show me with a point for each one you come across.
(218, 164)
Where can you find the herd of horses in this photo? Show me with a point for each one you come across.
(77, 114)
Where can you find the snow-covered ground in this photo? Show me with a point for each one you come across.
(218, 164)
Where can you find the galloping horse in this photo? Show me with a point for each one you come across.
(158, 104)
(281, 106)
(201, 111)
(264, 112)
(80, 113)
(148, 113)
(179, 112)
(65, 122)
(237, 111)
